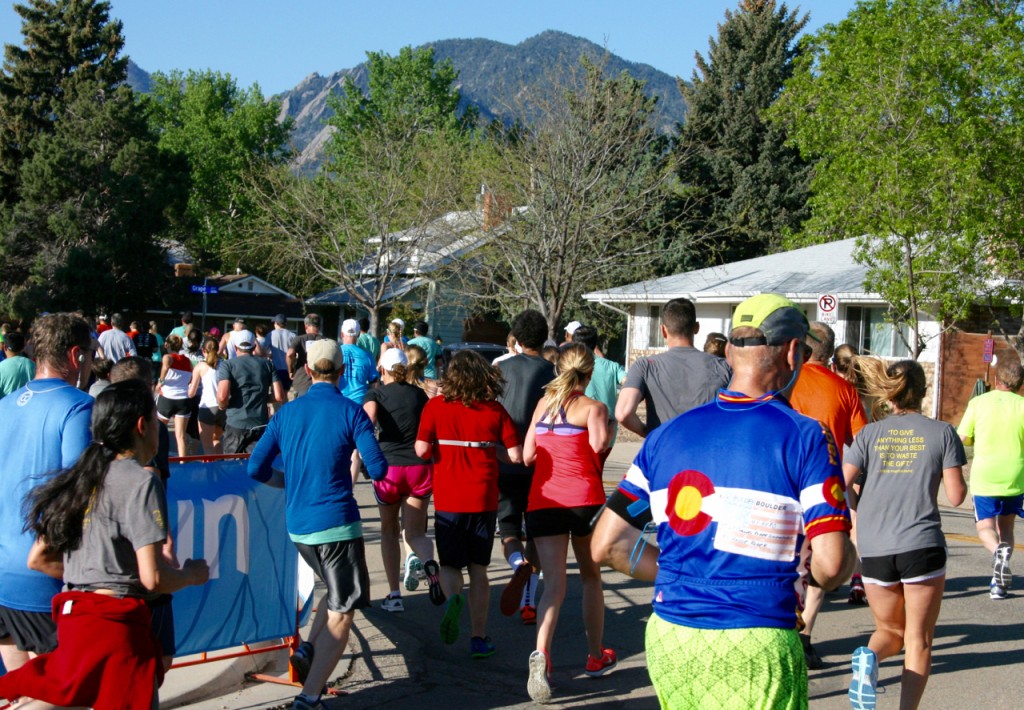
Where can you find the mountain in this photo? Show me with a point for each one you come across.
(491, 76)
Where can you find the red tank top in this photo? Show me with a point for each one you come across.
(567, 473)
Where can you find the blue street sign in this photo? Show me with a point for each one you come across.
(205, 289)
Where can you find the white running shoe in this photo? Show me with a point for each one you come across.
(392, 603)
(1001, 574)
(413, 572)
(538, 685)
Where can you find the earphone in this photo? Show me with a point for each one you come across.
(81, 358)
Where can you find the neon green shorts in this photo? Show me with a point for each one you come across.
(727, 669)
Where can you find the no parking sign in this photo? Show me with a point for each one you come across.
(828, 308)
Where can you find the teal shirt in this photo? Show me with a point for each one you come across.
(370, 344)
(15, 373)
(433, 351)
(604, 384)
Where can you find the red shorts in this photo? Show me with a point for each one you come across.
(416, 481)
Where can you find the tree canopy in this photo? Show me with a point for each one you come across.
(66, 43)
(740, 186)
(912, 110)
(582, 187)
(223, 132)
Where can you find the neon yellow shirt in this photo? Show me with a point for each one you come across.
(995, 420)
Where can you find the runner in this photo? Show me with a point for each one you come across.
(823, 395)
(607, 377)
(525, 377)
(296, 355)
(242, 386)
(212, 418)
(723, 632)
(396, 409)
(430, 347)
(367, 340)
(315, 436)
(172, 386)
(45, 428)
(567, 441)
(17, 369)
(101, 526)
(465, 431)
(115, 342)
(904, 457)
(994, 424)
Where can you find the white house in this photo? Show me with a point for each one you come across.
(823, 279)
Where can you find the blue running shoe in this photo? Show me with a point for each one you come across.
(481, 647)
(862, 693)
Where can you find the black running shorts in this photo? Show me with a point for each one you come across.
(342, 567)
(463, 539)
(34, 631)
(513, 494)
(905, 568)
(561, 521)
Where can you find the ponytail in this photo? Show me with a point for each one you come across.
(575, 366)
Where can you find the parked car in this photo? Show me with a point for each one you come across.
(488, 351)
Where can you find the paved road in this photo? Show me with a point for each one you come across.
(398, 660)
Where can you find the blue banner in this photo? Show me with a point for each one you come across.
(237, 525)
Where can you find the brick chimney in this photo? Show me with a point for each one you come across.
(496, 210)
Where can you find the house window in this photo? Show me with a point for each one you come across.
(654, 338)
(872, 334)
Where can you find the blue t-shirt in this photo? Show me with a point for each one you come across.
(45, 429)
(360, 371)
(734, 487)
(433, 351)
(315, 435)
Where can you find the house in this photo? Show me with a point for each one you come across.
(418, 260)
(231, 296)
(828, 284)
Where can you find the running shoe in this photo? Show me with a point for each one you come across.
(597, 667)
(302, 702)
(481, 647)
(392, 603)
(996, 591)
(433, 573)
(301, 660)
(814, 662)
(413, 572)
(1001, 565)
(857, 593)
(450, 620)
(529, 615)
(539, 684)
(513, 592)
(865, 678)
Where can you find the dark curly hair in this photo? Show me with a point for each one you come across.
(530, 328)
(469, 378)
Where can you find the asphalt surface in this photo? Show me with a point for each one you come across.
(398, 660)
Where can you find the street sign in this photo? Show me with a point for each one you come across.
(828, 308)
(988, 350)
(205, 289)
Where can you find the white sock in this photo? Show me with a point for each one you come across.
(515, 559)
(395, 593)
(530, 591)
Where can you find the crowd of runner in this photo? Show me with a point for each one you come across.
(756, 452)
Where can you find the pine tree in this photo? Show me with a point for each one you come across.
(741, 188)
(67, 43)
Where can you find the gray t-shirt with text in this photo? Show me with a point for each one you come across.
(903, 456)
(129, 513)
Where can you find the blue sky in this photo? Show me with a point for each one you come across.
(279, 42)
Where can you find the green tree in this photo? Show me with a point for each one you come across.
(913, 109)
(740, 186)
(93, 197)
(223, 132)
(67, 43)
(581, 188)
(396, 165)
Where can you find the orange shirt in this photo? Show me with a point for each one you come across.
(821, 394)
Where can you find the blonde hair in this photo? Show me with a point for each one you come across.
(902, 384)
(211, 353)
(575, 367)
(417, 358)
(395, 336)
(173, 343)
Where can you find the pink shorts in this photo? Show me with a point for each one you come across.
(416, 481)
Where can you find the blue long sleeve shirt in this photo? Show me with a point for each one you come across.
(315, 435)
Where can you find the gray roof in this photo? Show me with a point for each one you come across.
(800, 274)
